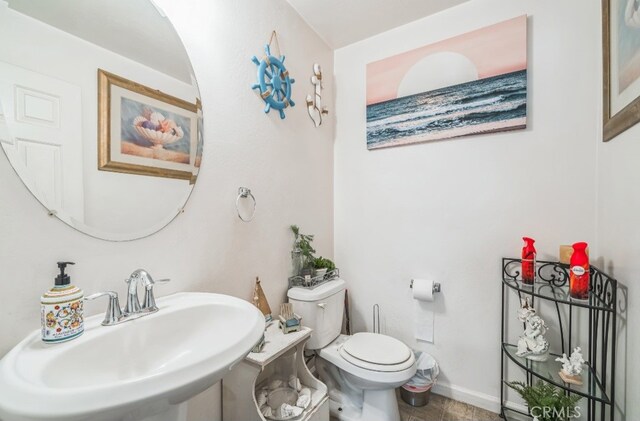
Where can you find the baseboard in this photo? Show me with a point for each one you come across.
(472, 397)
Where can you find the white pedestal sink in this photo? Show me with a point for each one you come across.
(143, 369)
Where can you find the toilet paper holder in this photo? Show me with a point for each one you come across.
(436, 286)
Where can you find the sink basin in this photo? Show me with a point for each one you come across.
(136, 370)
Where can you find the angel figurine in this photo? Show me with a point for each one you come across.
(532, 343)
(572, 367)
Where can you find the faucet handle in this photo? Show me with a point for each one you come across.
(113, 314)
(157, 281)
(149, 299)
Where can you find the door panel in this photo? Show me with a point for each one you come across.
(43, 115)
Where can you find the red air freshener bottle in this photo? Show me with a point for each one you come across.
(579, 272)
(528, 261)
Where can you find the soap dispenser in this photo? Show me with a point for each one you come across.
(61, 311)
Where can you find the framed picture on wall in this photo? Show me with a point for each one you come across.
(621, 60)
(471, 84)
(146, 132)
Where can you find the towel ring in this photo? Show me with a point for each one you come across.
(243, 193)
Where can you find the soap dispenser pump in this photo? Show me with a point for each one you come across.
(61, 309)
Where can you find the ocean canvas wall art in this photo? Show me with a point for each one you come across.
(471, 84)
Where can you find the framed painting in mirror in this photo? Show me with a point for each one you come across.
(144, 131)
(621, 60)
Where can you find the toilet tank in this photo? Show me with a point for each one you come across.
(321, 309)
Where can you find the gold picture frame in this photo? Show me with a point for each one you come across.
(614, 123)
(124, 146)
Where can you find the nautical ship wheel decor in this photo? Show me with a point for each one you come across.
(274, 82)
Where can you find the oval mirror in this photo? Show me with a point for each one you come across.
(99, 112)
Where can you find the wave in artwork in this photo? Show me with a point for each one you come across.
(487, 105)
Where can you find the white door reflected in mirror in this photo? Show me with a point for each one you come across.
(49, 113)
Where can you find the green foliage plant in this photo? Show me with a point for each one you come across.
(322, 263)
(546, 402)
(303, 243)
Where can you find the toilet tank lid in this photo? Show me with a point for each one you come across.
(321, 292)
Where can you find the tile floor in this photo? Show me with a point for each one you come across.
(444, 409)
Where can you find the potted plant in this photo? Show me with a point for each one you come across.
(303, 249)
(323, 265)
(546, 402)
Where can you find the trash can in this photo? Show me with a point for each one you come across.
(417, 391)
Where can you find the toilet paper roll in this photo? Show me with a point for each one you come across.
(423, 289)
(423, 313)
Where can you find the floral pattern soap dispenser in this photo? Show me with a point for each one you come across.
(61, 311)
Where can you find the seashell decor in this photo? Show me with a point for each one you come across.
(154, 127)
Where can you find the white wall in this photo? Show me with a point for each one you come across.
(288, 164)
(449, 210)
(619, 253)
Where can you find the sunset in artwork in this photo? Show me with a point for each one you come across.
(480, 73)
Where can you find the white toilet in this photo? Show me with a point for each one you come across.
(361, 371)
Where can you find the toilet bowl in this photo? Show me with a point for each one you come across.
(364, 372)
(361, 371)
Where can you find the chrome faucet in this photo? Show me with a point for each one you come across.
(132, 309)
(141, 276)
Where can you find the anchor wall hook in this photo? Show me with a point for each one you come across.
(314, 103)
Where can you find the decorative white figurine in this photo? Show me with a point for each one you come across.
(572, 367)
(532, 343)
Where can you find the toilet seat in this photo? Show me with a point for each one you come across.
(396, 375)
(376, 352)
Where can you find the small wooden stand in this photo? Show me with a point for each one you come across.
(570, 379)
(238, 387)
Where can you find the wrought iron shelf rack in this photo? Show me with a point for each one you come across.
(599, 311)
